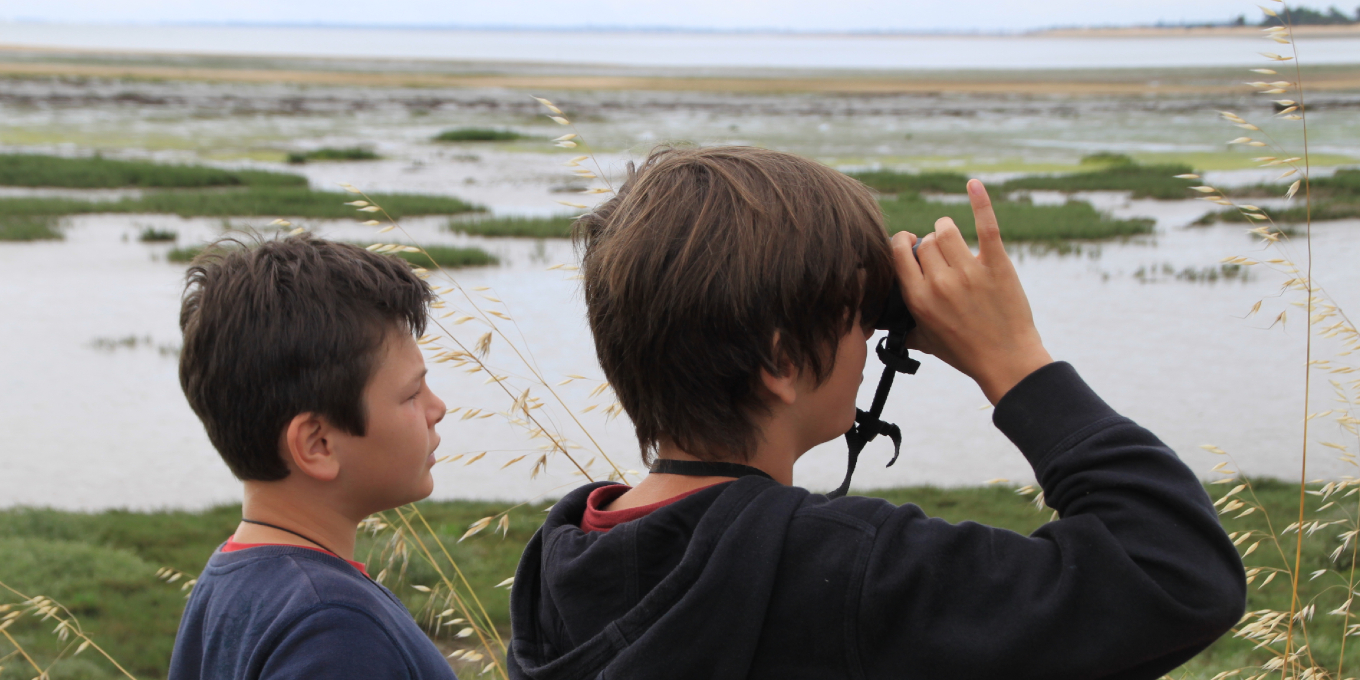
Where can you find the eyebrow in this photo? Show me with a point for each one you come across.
(419, 377)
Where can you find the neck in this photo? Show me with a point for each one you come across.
(279, 504)
(774, 458)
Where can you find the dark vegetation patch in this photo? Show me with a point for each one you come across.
(1105, 172)
(450, 257)
(352, 153)
(154, 235)
(1019, 220)
(251, 202)
(1333, 198)
(94, 172)
(22, 227)
(1116, 173)
(518, 227)
(183, 254)
(892, 182)
(476, 134)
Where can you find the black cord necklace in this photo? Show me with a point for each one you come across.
(703, 468)
(309, 540)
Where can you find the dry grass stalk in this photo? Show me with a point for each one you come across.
(1286, 635)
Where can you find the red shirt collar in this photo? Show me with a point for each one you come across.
(596, 519)
(233, 546)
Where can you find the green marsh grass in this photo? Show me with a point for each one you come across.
(476, 134)
(893, 182)
(1023, 221)
(450, 257)
(29, 228)
(249, 202)
(1118, 174)
(517, 227)
(352, 153)
(94, 172)
(1333, 198)
(103, 565)
(154, 235)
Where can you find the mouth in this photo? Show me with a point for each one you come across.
(429, 460)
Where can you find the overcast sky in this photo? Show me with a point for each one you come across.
(796, 15)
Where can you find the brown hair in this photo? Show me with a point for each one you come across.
(284, 327)
(695, 265)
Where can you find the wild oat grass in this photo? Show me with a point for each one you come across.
(1333, 198)
(1303, 629)
(94, 172)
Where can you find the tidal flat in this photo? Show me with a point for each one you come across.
(1178, 350)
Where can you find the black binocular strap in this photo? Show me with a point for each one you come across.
(892, 352)
(705, 468)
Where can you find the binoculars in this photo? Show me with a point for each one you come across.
(896, 318)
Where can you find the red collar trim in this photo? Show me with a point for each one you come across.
(599, 520)
(233, 546)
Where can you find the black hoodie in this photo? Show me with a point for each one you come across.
(752, 579)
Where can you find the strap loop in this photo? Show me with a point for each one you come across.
(901, 364)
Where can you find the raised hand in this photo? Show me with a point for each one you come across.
(971, 311)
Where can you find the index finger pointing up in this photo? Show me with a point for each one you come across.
(988, 231)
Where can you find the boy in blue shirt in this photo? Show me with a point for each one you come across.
(300, 359)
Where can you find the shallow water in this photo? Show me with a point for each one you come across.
(92, 416)
(90, 426)
(679, 49)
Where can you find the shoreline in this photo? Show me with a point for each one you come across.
(1131, 82)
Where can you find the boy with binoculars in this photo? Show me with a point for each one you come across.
(731, 292)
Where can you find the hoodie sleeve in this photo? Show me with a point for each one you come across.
(1134, 579)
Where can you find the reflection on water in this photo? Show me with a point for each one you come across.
(93, 416)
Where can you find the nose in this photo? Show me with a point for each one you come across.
(438, 409)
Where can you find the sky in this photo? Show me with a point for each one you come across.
(790, 15)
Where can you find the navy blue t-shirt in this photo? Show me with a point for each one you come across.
(276, 611)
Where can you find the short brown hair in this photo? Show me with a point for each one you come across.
(702, 256)
(277, 328)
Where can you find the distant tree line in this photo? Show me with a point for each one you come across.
(1304, 16)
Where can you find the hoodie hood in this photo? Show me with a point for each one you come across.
(700, 570)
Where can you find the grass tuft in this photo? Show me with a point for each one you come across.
(353, 153)
(154, 235)
(1021, 221)
(516, 227)
(29, 228)
(892, 182)
(1120, 174)
(251, 202)
(474, 134)
(94, 172)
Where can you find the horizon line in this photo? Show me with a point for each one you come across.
(606, 28)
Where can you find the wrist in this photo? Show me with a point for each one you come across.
(1006, 375)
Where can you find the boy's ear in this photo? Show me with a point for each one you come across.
(306, 447)
(783, 386)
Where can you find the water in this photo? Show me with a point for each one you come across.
(680, 49)
(90, 421)
(93, 427)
